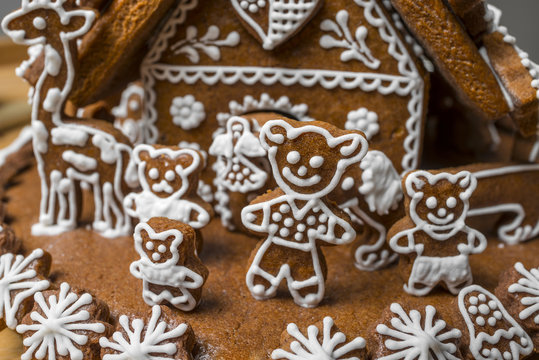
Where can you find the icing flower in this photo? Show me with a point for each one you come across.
(363, 120)
(253, 5)
(186, 112)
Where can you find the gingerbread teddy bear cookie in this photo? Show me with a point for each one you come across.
(170, 270)
(308, 161)
(433, 237)
(169, 180)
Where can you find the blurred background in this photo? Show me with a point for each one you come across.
(520, 16)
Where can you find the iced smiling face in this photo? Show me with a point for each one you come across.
(439, 201)
(309, 160)
(157, 245)
(168, 171)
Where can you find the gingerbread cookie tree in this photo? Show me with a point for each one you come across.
(433, 237)
(308, 161)
(170, 270)
(69, 152)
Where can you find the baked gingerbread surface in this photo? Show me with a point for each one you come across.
(229, 323)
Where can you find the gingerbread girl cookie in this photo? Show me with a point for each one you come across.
(170, 270)
(433, 237)
(308, 161)
(169, 180)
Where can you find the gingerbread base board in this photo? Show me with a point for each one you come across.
(229, 323)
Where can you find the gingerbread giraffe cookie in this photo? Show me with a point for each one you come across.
(433, 237)
(308, 161)
(169, 179)
(169, 267)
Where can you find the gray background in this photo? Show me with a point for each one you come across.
(520, 16)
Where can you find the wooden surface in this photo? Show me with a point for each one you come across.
(14, 113)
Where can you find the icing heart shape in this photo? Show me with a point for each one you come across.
(273, 22)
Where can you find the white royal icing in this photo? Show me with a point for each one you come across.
(363, 120)
(331, 347)
(209, 44)
(318, 222)
(356, 48)
(483, 312)
(528, 288)
(165, 274)
(24, 137)
(148, 341)
(61, 328)
(147, 204)
(440, 224)
(415, 338)
(58, 208)
(15, 276)
(407, 83)
(187, 113)
(132, 128)
(284, 19)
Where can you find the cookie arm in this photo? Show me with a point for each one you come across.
(255, 217)
(130, 205)
(477, 241)
(198, 217)
(410, 247)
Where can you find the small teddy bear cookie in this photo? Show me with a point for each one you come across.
(20, 278)
(455, 54)
(433, 237)
(169, 267)
(403, 334)
(241, 168)
(324, 340)
(518, 289)
(159, 336)
(308, 161)
(492, 332)
(169, 179)
(64, 324)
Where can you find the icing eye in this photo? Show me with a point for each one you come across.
(170, 175)
(153, 173)
(149, 245)
(316, 161)
(293, 157)
(451, 202)
(39, 23)
(432, 202)
(133, 105)
(162, 248)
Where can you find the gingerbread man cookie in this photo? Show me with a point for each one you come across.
(433, 237)
(169, 180)
(128, 113)
(169, 268)
(308, 161)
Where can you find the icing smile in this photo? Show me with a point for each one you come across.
(163, 186)
(313, 180)
(440, 221)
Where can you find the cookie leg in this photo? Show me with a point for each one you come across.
(261, 283)
(185, 301)
(309, 292)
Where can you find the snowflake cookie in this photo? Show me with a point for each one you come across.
(64, 324)
(409, 335)
(518, 289)
(20, 278)
(308, 161)
(160, 337)
(433, 236)
(492, 333)
(328, 344)
(169, 267)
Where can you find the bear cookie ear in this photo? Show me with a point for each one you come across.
(274, 133)
(415, 182)
(467, 182)
(352, 145)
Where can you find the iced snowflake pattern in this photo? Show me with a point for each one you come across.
(16, 277)
(152, 343)
(528, 284)
(59, 330)
(413, 340)
(187, 112)
(364, 120)
(311, 349)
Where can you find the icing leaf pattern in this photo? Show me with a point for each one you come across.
(209, 44)
(310, 348)
(529, 285)
(142, 341)
(412, 339)
(355, 46)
